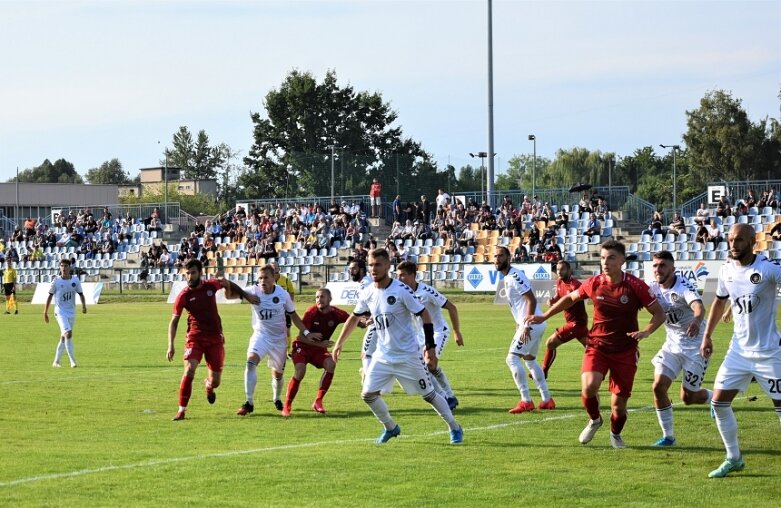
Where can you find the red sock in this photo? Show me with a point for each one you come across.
(617, 423)
(325, 384)
(592, 406)
(185, 390)
(550, 355)
(292, 390)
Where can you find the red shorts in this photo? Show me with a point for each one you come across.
(572, 330)
(213, 351)
(304, 353)
(622, 367)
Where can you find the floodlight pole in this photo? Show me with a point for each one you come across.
(533, 138)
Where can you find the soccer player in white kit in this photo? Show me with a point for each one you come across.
(681, 349)
(394, 308)
(434, 302)
(269, 337)
(63, 291)
(749, 281)
(526, 341)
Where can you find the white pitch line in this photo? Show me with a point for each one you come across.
(173, 460)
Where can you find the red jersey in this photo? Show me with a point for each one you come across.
(375, 190)
(324, 324)
(576, 313)
(615, 310)
(203, 321)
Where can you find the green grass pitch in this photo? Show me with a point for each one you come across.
(102, 435)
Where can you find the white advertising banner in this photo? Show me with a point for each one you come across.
(484, 278)
(543, 291)
(344, 293)
(696, 272)
(91, 290)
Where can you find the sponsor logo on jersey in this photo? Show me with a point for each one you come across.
(474, 277)
(746, 304)
(755, 278)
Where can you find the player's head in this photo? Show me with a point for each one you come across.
(65, 267)
(323, 299)
(563, 270)
(741, 240)
(379, 264)
(612, 257)
(406, 272)
(357, 270)
(663, 265)
(502, 258)
(194, 269)
(267, 278)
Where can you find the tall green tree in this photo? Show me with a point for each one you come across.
(61, 171)
(196, 158)
(522, 169)
(723, 143)
(108, 172)
(304, 119)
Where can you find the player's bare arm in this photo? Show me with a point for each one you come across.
(699, 314)
(233, 291)
(172, 327)
(658, 318)
(347, 329)
(560, 306)
(83, 303)
(716, 313)
(46, 309)
(455, 321)
(296, 319)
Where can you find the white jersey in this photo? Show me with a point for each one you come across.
(433, 300)
(676, 302)
(64, 291)
(752, 292)
(394, 309)
(517, 284)
(268, 318)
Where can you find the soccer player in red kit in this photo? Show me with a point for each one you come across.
(613, 339)
(204, 331)
(322, 318)
(576, 326)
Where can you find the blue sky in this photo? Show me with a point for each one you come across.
(95, 80)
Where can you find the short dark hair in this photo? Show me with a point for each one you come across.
(380, 252)
(664, 254)
(505, 249)
(63, 261)
(407, 267)
(194, 263)
(615, 245)
(564, 262)
(361, 264)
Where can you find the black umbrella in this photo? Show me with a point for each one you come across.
(578, 187)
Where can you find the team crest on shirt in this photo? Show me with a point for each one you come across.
(330, 324)
(391, 300)
(73, 284)
(674, 297)
(210, 293)
(275, 299)
(755, 278)
(624, 299)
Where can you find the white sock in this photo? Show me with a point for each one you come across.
(539, 378)
(60, 349)
(519, 376)
(250, 380)
(778, 412)
(665, 417)
(380, 410)
(276, 387)
(443, 382)
(443, 410)
(728, 428)
(69, 350)
(182, 408)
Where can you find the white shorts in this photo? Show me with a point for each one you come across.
(737, 369)
(532, 346)
(440, 341)
(275, 350)
(66, 322)
(374, 200)
(692, 364)
(411, 373)
(369, 342)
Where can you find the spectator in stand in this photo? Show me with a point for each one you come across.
(562, 219)
(677, 225)
(723, 207)
(424, 210)
(703, 215)
(714, 233)
(594, 227)
(741, 208)
(775, 232)
(521, 254)
(751, 199)
(602, 209)
(199, 229)
(702, 234)
(553, 252)
(443, 199)
(772, 200)
(539, 252)
(375, 193)
(467, 238)
(408, 231)
(585, 203)
(396, 207)
(422, 231)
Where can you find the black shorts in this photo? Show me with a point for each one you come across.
(8, 289)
